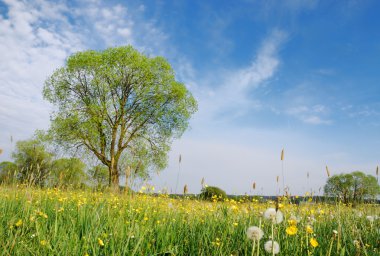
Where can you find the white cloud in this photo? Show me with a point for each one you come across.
(310, 115)
(263, 67)
(315, 120)
(228, 90)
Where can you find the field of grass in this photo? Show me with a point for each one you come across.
(54, 222)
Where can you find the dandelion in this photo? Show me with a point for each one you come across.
(370, 218)
(19, 223)
(273, 215)
(272, 247)
(314, 242)
(43, 242)
(292, 230)
(255, 233)
(100, 242)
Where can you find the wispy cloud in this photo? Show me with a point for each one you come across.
(111, 25)
(310, 115)
(229, 90)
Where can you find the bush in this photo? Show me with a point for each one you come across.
(212, 193)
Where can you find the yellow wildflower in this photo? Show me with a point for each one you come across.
(291, 230)
(43, 242)
(314, 242)
(19, 223)
(309, 229)
(100, 242)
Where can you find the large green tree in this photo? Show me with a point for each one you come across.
(112, 102)
(352, 187)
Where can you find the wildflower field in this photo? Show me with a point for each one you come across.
(53, 222)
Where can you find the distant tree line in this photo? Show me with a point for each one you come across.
(34, 165)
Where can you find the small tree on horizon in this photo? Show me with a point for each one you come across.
(352, 187)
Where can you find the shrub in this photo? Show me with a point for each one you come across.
(212, 193)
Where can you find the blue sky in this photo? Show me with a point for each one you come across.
(292, 74)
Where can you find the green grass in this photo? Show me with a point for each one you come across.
(78, 223)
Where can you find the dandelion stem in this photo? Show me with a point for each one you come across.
(331, 245)
(272, 239)
(253, 246)
(258, 244)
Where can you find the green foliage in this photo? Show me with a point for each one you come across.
(212, 193)
(119, 103)
(99, 175)
(33, 162)
(352, 187)
(8, 172)
(67, 172)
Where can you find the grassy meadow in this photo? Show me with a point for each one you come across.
(54, 222)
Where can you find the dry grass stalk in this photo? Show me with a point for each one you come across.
(185, 190)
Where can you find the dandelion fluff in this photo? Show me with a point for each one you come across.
(272, 244)
(255, 233)
(273, 215)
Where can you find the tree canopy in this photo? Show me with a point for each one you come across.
(118, 102)
(67, 172)
(33, 162)
(352, 187)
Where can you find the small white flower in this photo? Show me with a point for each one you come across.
(335, 232)
(255, 233)
(268, 247)
(370, 218)
(273, 215)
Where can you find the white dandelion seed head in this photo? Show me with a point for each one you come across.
(273, 215)
(268, 247)
(370, 218)
(255, 233)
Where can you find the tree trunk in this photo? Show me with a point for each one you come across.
(114, 175)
